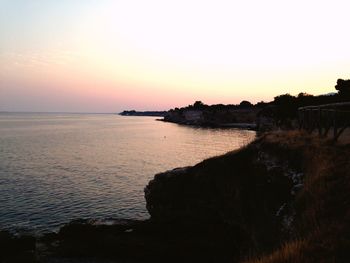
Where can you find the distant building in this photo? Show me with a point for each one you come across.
(193, 115)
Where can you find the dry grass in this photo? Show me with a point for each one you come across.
(289, 252)
(345, 137)
(323, 206)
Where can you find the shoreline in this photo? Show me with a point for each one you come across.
(247, 126)
(244, 203)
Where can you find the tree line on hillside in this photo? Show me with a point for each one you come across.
(284, 107)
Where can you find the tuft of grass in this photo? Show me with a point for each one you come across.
(290, 252)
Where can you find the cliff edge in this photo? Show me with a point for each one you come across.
(287, 194)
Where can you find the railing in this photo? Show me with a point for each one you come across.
(325, 117)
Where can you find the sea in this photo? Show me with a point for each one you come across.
(55, 168)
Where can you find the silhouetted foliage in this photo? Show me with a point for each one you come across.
(286, 108)
(143, 113)
(245, 104)
(262, 104)
(282, 111)
(198, 104)
(304, 99)
(343, 86)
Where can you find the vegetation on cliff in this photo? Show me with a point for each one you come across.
(282, 112)
(143, 113)
(321, 228)
(218, 115)
(287, 194)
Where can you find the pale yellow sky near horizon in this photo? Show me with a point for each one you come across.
(106, 56)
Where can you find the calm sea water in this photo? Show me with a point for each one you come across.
(58, 167)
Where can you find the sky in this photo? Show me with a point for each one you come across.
(107, 56)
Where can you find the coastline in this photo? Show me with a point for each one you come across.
(247, 126)
(246, 202)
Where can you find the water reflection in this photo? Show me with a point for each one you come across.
(54, 168)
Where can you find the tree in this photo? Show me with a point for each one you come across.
(305, 99)
(198, 105)
(343, 86)
(303, 95)
(284, 99)
(286, 107)
(245, 104)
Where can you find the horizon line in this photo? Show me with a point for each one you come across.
(57, 112)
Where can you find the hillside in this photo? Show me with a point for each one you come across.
(281, 113)
(286, 189)
(320, 230)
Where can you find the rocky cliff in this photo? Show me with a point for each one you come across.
(214, 116)
(250, 190)
(287, 194)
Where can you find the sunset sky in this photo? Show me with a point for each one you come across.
(106, 56)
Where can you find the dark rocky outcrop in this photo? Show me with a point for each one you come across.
(19, 248)
(243, 190)
(143, 113)
(143, 241)
(287, 194)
